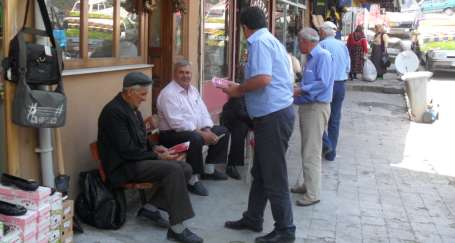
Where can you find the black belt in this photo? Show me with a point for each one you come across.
(340, 80)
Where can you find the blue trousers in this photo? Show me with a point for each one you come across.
(330, 138)
(269, 171)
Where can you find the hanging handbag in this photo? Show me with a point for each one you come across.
(38, 108)
(42, 63)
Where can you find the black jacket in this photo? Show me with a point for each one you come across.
(122, 140)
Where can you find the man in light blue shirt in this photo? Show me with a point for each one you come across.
(268, 98)
(313, 96)
(341, 70)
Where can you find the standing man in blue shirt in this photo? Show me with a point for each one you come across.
(340, 55)
(313, 96)
(268, 97)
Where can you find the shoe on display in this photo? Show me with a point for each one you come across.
(23, 184)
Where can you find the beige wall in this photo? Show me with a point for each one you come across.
(87, 95)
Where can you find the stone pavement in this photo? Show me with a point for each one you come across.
(369, 194)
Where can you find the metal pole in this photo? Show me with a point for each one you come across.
(45, 136)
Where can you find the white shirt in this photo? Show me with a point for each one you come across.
(182, 110)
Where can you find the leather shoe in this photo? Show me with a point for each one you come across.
(243, 224)
(217, 176)
(198, 189)
(304, 202)
(186, 236)
(232, 171)
(299, 189)
(155, 216)
(285, 236)
(11, 209)
(20, 183)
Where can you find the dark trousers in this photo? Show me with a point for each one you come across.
(238, 123)
(171, 178)
(269, 171)
(330, 138)
(217, 153)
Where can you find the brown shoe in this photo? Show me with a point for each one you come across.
(299, 189)
(304, 202)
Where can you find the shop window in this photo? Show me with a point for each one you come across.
(288, 22)
(98, 32)
(216, 38)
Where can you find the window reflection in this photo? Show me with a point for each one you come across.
(216, 37)
(288, 22)
(129, 28)
(100, 28)
(65, 16)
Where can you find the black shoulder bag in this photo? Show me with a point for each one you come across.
(42, 64)
(35, 62)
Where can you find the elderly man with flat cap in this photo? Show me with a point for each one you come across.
(127, 157)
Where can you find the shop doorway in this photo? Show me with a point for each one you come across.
(166, 26)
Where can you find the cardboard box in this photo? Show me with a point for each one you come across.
(68, 209)
(26, 224)
(67, 237)
(32, 200)
(11, 236)
(67, 225)
(55, 236)
(56, 221)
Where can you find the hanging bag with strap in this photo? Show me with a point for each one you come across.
(38, 108)
(42, 64)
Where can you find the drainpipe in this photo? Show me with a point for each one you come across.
(45, 134)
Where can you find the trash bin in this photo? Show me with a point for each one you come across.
(416, 89)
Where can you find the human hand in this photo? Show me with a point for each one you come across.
(159, 149)
(297, 91)
(167, 155)
(233, 90)
(209, 137)
(149, 123)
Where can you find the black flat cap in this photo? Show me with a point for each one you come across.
(136, 78)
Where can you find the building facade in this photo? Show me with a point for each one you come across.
(103, 40)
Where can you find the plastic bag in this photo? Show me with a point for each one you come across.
(369, 71)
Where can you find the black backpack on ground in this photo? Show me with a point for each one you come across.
(97, 204)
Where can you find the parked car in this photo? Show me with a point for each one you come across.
(437, 6)
(440, 60)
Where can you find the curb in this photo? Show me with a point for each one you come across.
(387, 89)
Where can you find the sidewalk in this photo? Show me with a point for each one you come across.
(391, 84)
(371, 193)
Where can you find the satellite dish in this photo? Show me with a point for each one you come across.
(406, 61)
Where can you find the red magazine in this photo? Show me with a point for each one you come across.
(181, 147)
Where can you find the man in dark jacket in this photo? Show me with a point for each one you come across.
(128, 157)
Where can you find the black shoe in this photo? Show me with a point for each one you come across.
(11, 209)
(232, 171)
(198, 189)
(275, 236)
(20, 183)
(155, 216)
(217, 176)
(243, 224)
(186, 236)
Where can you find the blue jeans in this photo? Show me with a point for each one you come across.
(330, 138)
(269, 171)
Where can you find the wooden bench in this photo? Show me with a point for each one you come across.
(136, 186)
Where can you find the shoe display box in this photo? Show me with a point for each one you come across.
(12, 235)
(29, 199)
(34, 226)
(67, 222)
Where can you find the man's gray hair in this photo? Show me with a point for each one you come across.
(328, 31)
(135, 87)
(182, 63)
(309, 34)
